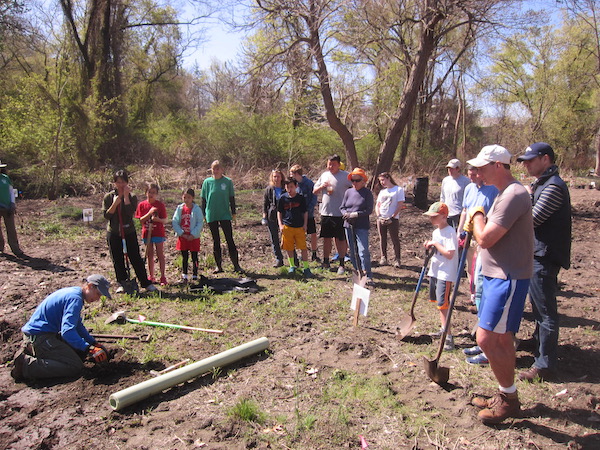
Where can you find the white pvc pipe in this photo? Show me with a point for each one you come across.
(145, 389)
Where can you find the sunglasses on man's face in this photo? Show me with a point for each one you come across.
(356, 180)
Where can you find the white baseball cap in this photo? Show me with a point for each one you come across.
(453, 163)
(490, 154)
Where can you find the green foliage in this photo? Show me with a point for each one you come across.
(247, 410)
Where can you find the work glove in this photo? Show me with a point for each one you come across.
(470, 214)
(97, 353)
(264, 221)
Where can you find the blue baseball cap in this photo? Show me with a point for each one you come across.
(535, 150)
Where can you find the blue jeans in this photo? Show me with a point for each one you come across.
(362, 241)
(542, 292)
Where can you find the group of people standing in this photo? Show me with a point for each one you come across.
(522, 236)
(346, 205)
(120, 207)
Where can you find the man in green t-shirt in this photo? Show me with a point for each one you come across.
(218, 206)
(8, 208)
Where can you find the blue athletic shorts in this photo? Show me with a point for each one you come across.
(502, 304)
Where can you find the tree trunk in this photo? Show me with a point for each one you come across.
(324, 82)
(597, 149)
(401, 117)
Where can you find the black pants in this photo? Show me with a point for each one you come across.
(115, 246)
(185, 263)
(228, 232)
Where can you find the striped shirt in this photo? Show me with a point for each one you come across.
(549, 201)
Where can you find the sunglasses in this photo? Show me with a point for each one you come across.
(356, 180)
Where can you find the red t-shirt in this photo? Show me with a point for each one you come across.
(158, 229)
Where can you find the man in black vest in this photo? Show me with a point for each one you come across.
(552, 250)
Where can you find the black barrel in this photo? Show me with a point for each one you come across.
(420, 192)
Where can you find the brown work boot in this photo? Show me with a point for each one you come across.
(481, 402)
(18, 363)
(500, 407)
(533, 373)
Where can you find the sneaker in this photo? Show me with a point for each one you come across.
(500, 407)
(291, 270)
(341, 270)
(307, 273)
(151, 288)
(347, 258)
(184, 279)
(533, 374)
(18, 363)
(315, 258)
(163, 281)
(472, 351)
(120, 290)
(449, 344)
(478, 359)
(396, 265)
(335, 257)
(325, 265)
(194, 277)
(278, 263)
(370, 282)
(383, 261)
(238, 269)
(152, 280)
(218, 270)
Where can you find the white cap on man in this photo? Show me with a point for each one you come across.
(453, 163)
(490, 154)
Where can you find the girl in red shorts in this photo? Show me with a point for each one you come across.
(187, 223)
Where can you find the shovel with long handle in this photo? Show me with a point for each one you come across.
(440, 375)
(358, 277)
(120, 317)
(407, 322)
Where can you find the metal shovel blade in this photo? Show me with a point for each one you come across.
(438, 374)
(407, 322)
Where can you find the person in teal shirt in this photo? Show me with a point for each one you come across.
(218, 206)
(7, 212)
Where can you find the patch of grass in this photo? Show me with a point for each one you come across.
(247, 410)
(67, 212)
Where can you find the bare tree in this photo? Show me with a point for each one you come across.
(420, 35)
(306, 24)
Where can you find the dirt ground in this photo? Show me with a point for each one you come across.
(307, 351)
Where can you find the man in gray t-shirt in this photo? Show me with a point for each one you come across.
(506, 239)
(333, 183)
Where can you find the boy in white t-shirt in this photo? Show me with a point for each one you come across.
(444, 263)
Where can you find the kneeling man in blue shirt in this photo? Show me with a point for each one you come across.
(55, 339)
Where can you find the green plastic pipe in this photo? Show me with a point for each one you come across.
(145, 389)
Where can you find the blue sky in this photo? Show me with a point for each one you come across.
(223, 45)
